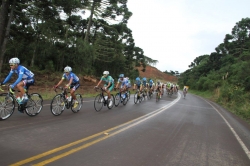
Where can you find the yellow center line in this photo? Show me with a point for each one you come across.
(71, 144)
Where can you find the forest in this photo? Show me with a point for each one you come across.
(89, 35)
(226, 71)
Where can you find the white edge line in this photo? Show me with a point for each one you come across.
(233, 131)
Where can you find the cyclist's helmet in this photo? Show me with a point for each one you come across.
(14, 60)
(144, 79)
(106, 72)
(158, 82)
(151, 81)
(138, 79)
(67, 69)
(121, 75)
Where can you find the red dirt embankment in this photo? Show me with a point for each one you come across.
(155, 74)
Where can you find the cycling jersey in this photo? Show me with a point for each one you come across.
(23, 74)
(107, 79)
(71, 75)
(125, 81)
(138, 82)
(144, 83)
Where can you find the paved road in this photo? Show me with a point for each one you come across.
(173, 131)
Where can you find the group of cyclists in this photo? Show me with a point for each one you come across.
(26, 79)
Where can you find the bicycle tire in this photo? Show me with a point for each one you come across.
(117, 99)
(125, 100)
(157, 96)
(136, 98)
(113, 102)
(57, 105)
(128, 93)
(7, 106)
(99, 99)
(34, 104)
(79, 106)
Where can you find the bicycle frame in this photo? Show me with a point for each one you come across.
(64, 93)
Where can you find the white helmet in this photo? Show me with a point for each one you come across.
(106, 72)
(67, 69)
(14, 60)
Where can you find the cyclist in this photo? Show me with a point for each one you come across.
(159, 87)
(151, 85)
(185, 90)
(137, 83)
(124, 83)
(108, 86)
(24, 80)
(73, 83)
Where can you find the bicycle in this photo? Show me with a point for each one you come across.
(122, 97)
(158, 95)
(61, 100)
(150, 93)
(101, 100)
(138, 96)
(184, 93)
(32, 107)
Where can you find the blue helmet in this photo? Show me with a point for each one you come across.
(144, 79)
(138, 79)
(151, 81)
(121, 75)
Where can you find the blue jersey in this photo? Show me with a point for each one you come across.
(144, 82)
(151, 82)
(23, 74)
(71, 75)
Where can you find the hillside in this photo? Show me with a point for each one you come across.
(155, 74)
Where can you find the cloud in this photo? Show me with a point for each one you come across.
(176, 32)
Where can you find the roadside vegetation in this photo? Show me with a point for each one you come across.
(223, 76)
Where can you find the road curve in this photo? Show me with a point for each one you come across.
(172, 131)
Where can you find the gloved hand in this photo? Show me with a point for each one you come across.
(11, 86)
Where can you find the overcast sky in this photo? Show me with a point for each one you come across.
(175, 32)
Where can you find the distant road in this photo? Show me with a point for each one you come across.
(173, 131)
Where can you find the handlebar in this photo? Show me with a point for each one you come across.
(10, 89)
(61, 88)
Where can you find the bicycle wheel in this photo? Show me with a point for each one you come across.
(136, 97)
(150, 94)
(117, 99)
(128, 93)
(57, 105)
(125, 100)
(112, 99)
(98, 103)
(184, 94)
(7, 106)
(79, 105)
(157, 96)
(34, 104)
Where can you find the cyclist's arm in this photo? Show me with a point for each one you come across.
(7, 78)
(59, 83)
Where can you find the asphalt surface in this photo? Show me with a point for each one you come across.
(172, 131)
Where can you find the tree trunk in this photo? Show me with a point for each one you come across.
(3, 22)
(6, 36)
(86, 39)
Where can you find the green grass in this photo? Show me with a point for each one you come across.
(242, 109)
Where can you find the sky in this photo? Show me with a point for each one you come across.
(175, 32)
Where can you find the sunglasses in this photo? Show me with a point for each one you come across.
(12, 64)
